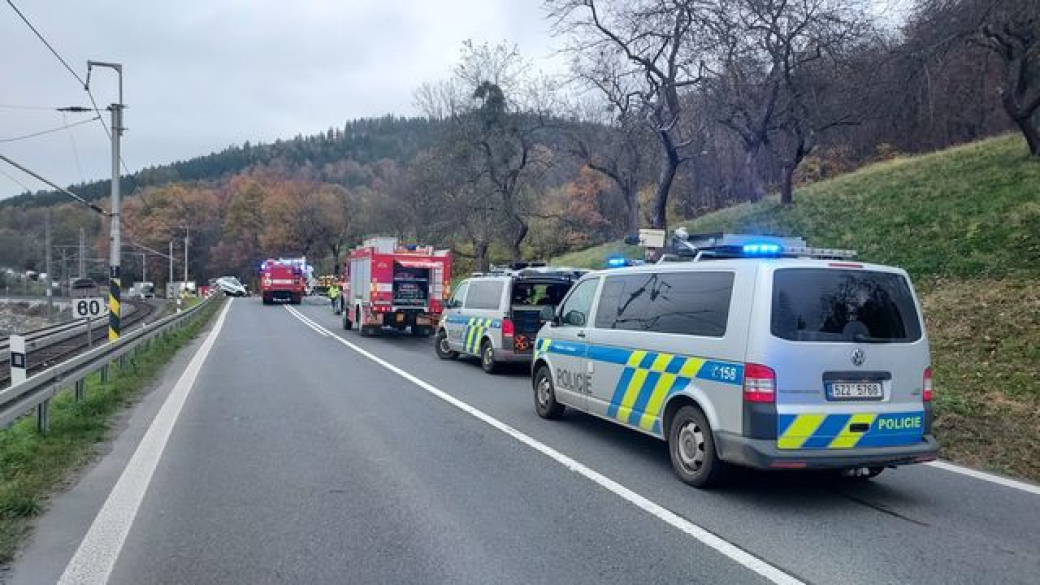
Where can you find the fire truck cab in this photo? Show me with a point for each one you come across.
(282, 280)
(386, 285)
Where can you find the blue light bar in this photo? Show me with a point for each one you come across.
(762, 249)
(617, 261)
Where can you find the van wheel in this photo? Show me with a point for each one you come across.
(545, 395)
(487, 357)
(692, 449)
(443, 348)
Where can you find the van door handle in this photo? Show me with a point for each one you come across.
(581, 334)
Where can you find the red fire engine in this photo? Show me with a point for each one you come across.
(282, 280)
(386, 285)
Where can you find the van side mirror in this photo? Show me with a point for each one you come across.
(574, 318)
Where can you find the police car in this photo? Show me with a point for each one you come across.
(756, 351)
(496, 316)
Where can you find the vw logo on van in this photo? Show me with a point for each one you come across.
(858, 357)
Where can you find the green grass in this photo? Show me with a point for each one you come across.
(965, 223)
(968, 212)
(33, 466)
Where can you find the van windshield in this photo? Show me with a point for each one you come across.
(827, 305)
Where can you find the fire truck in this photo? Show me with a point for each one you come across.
(386, 285)
(282, 280)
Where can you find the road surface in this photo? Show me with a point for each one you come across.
(296, 458)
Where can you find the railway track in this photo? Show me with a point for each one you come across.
(44, 357)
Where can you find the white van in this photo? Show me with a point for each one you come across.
(762, 353)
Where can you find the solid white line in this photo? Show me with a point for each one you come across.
(728, 549)
(1004, 481)
(306, 321)
(97, 554)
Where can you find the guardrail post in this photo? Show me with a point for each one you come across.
(104, 374)
(43, 416)
(81, 387)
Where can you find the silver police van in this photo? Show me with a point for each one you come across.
(496, 316)
(756, 351)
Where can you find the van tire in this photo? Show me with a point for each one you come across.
(545, 395)
(487, 357)
(442, 347)
(691, 447)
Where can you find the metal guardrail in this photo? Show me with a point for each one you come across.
(39, 338)
(37, 391)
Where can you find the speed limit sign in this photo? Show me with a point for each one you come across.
(89, 308)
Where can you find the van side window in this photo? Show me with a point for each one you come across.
(484, 294)
(578, 306)
(460, 294)
(686, 303)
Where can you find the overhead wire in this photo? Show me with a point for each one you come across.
(75, 150)
(72, 71)
(15, 180)
(49, 131)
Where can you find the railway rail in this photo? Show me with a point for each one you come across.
(64, 347)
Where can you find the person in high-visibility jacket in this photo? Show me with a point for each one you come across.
(333, 295)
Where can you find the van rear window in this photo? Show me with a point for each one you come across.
(826, 305)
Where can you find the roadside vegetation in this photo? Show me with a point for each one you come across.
(33, 466)
(965, 223)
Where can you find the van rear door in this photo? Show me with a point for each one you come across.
(850, 354)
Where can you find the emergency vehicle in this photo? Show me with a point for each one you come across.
(282, 280)
(386, 285)
(755, 351)
(496, 315)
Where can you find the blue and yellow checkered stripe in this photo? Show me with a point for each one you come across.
(845, 431)
(648, 378)
(476, 327)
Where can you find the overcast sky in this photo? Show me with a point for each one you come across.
(203, 74)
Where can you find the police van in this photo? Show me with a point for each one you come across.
(496, 315)
(754, 351)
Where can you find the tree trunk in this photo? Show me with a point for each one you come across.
(659, 219)
(518, 240)
(756, 189)
(632, 207)
(1031, 132)
(480, 250)
(787, 187)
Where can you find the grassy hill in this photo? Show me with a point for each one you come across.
(965, 223)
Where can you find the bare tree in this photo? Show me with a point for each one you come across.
(615, 144)
(768, 52)
(1011, 30)
(645, 54)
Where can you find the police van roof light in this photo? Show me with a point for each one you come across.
(762, 249)
(617, 261)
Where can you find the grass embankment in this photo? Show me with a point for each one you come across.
(32, 466)
(965, 223)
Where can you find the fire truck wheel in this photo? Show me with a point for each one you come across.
(346, 321)
(487, 357)
(442, 347)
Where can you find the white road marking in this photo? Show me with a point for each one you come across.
(735, 553)
(1004, 481)
(306, 321)
(97, 554)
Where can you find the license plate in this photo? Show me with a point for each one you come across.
(399, 317)
(854, 391)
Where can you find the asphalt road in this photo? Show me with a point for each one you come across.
(296, 459)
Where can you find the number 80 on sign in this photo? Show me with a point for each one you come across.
(89, 308)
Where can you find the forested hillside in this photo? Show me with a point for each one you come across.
(671, 110)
